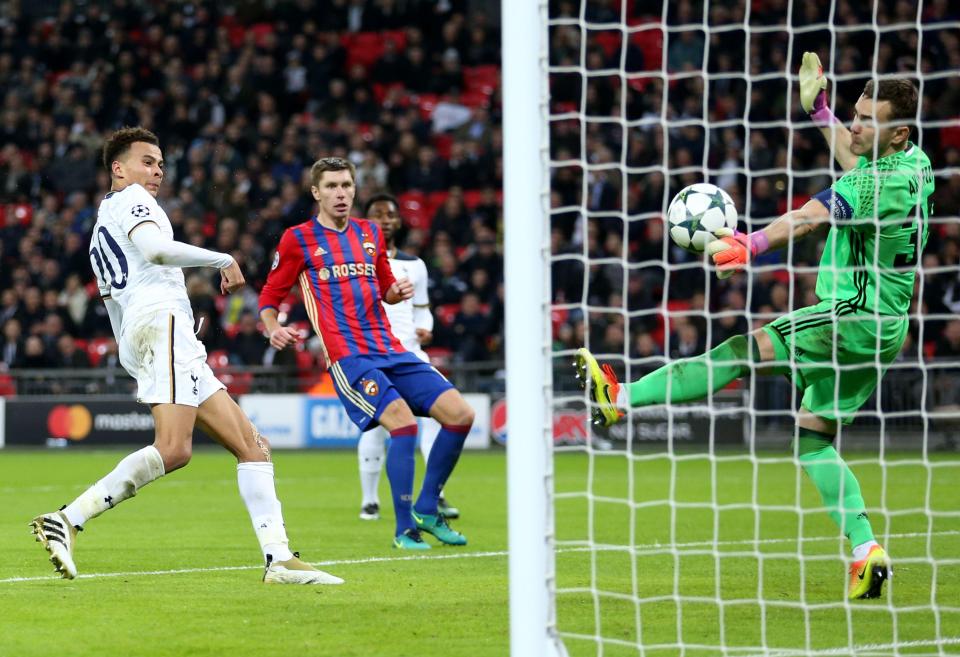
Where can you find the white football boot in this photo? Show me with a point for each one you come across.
(57, 536)
(295, 571)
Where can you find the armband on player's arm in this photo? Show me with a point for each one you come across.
(838, 207)
(159, 249)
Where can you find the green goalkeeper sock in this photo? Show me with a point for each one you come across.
(830, 474)
(693, 378)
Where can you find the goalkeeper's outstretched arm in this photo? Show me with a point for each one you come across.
(813, 99)
(732, 253)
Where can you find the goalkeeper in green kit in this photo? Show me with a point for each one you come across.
(837, 350)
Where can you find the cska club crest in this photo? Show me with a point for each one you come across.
(370, 248)
(370, 387)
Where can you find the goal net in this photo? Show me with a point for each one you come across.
(691, 529)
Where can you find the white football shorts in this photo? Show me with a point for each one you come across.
(160, 351)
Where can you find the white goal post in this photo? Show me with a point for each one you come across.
(529, 454)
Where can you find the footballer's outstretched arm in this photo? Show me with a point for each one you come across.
(159, 249)
(796, 224)
(813, 99)
(732, 253)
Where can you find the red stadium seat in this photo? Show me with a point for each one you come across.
(446, 313)
(363, 48)
(96, 348)
(474, 99)
(238, 383)
(609, 42)
(8, 387)
(414, 211)
(427, 103)
(950, 135)
(305, 360)
(443, 142)
(218, 359)
(260, 32)
(440, 358)
(650, 42)
(399, 38)
(484, 79)
(471, 198)
(434, 201)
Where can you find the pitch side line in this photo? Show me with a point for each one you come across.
(338, 562)
(461, 555)
(862, 649)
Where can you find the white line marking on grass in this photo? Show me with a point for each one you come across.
(167, 483)
(653, 547)
(862, 649)
(215, 569)
(460, 555)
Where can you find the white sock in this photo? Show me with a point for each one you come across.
(623, 397)
(131, 474)
(370, 455)
(255, 481)
(429, 428)
(861, 551)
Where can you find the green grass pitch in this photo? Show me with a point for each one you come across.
(176, 571)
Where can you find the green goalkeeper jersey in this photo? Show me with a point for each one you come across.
(880, 210)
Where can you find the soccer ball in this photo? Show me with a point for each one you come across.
(700, 214)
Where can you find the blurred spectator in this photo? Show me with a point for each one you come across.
(11, 349)
(452, 218)
(248, 346)
(68, 355)
(74, 300)
(471, 328)
(446, 285)
(645, 350)
(429, 173)
(34, 354)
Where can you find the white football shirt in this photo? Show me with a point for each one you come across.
(402, 316)
(121, 270)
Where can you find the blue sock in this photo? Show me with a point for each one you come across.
(400, 470)
(443, 457)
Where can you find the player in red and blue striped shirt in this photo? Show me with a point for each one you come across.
(342, 266)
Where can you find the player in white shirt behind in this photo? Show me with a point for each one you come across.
(412, 323)
(137, 265)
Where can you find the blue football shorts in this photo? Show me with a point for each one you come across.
(367, 384)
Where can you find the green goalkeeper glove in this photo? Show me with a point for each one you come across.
(812, 82)
(813, 95)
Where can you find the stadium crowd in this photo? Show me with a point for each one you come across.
(244, 96)
(773, 162)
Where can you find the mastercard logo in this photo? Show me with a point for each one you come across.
(73, 422)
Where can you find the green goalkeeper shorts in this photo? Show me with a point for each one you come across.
(836, 355)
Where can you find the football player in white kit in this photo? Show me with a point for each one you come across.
(412, 323)
(138, 264)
